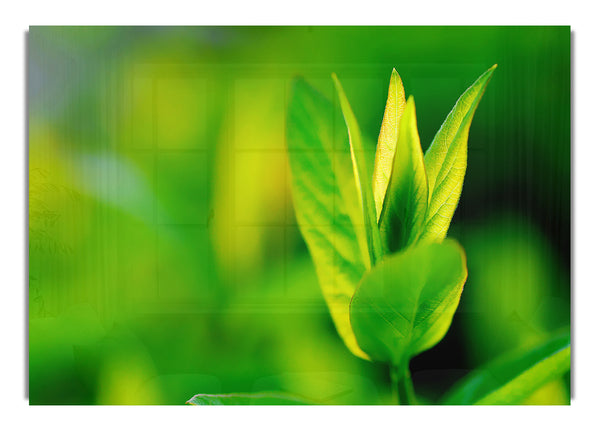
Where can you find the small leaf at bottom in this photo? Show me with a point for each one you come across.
(405, 304)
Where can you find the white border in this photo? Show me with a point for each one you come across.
(15, 21)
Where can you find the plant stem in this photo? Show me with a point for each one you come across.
(402, 386)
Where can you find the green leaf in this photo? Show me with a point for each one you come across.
(326, 203)
(362, 178)
(405, 304)
(446, 160)
(513, 378)
(406, 199)
(252, 399)
(388, 136)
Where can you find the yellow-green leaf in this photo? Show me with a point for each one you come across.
(446, 160)
(362, 178)
(405, 304)
(326, 203)
(405, 202)
(388, 136)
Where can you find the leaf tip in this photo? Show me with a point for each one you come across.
(395, 79)
(491, 70)
(337, 83)
(486, 76)
(410, 104)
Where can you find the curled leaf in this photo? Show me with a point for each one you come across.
(405, 202)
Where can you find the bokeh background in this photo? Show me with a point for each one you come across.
(164, 256)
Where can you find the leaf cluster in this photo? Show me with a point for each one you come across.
(376, 234)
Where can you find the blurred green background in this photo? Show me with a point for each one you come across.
(164, 256)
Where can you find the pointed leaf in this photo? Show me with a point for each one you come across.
(252, 399)
(406, 199)
(513, 378)
(405, 304)
(363, 180)
(446, 160)
(388, 136)
(326, 203)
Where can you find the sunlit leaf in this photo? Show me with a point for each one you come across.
(361, 174)
(405, 304)
(446, 160)
(406, 198)
(513, 378)
(326, 203)
(252, 399)
(388, 136)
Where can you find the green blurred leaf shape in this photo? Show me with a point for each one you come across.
(252, 399)
(405, 202)
(386, 143)
(405, 304)
(446, 160)
(514, 377)
(519, 306)
(326, 203)
(362, 178)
